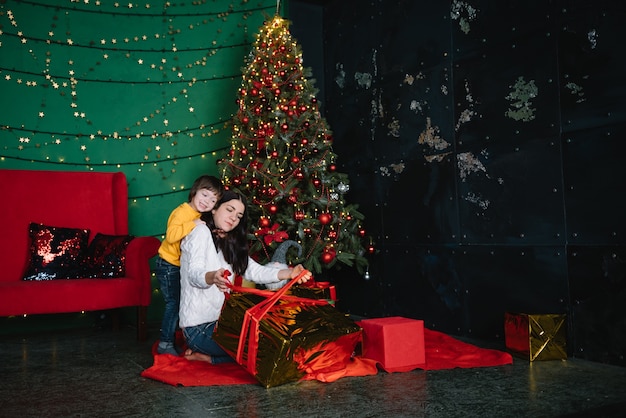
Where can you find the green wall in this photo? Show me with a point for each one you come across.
(145, 90)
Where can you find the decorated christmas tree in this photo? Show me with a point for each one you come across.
(282, 160)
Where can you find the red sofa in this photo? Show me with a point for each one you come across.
(87, 200)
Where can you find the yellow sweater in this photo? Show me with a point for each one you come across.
(180, 223)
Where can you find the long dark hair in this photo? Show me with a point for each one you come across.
(234, 244)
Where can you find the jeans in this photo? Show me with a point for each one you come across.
(169, 278)
(200, 338)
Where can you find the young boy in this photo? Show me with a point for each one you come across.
(204, 193)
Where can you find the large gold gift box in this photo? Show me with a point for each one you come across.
(536, 337)
(282, 341)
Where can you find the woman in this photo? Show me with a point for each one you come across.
(208, 254)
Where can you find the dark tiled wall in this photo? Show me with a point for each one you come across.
(485, 144)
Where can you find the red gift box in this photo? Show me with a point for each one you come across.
(397, 343)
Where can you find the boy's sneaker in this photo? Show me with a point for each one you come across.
(167, 348)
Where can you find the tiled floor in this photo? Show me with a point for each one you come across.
(96, 373)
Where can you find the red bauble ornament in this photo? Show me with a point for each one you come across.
(264, 222)
(316, 182)
(273, 209)
(274, 154)
(244, 151)
(295, 159)
(332, 167)
(245, 120)
(284, 127)
(325, 218)
(362, 232)
(328, 255)
(298, 174)
(371, 249)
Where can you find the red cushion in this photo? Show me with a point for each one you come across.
(72, 295)
(55, 252)
(106, 256)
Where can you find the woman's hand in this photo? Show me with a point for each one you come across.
(218, 278)
(299, 269)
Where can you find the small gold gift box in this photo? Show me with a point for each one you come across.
(536, 337)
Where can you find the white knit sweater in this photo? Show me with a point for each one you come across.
(199, 302)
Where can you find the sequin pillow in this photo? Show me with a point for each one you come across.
(55, 252)
(106, 256)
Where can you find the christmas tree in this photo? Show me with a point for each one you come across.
(282, 160)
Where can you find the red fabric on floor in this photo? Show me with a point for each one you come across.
(445, 352)
(178, 371)
(442, 352)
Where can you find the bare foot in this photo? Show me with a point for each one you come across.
(190, 355)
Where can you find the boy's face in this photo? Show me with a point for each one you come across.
(204, 200)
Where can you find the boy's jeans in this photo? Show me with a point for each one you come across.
(169, 278)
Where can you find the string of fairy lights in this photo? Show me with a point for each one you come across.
(97, 85)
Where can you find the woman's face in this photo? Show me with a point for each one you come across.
(228, 215)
